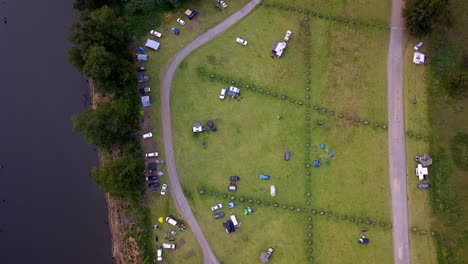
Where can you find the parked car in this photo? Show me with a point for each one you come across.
(147, 135)
(154, 185)
(424, 186)
(151, 154)
(164, 189)
(159, 254)
(241, 41)
(287, 154)
(155, 33)
(144, 90)
(222, 94)
(234, 178)
(142, 79)
(264, 177)
(287, 36)
(140, 69)
(152, 178)
(180, 21)
(210, 124)
(418, 46)
(168, 245)
(216, 207)
(219, 215)
(176, 31)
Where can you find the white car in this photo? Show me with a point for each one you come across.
(241, 41)
(168, 245)
(151, 154)
(180, 21)
(164, 189)
(155, 33)
(216, 207)
(159, 254)
(147, 135)
(222, 94)
(287, 36)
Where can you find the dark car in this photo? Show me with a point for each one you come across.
(287, 155)
(219, 215)
(154, 185)
(152, 178)
(424, 186)
(210, 124)
(234, 178)
(142, 79)
(140, 69)
(176, 31)
(363, 241)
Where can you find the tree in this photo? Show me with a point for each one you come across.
(139, 6)
(89, 4)
(100, 27)
(111, 74)
(421, 15)
(110, 124)
(122, 178)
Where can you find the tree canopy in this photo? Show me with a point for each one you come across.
(122, 178)
(113, 123)
(421, 15)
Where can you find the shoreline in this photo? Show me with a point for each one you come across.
(119, 249)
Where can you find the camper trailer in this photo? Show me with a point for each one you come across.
(234, 220)
(171, 221)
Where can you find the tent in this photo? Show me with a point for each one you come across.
(419, 58)
(273, 190)
(152, 166)
(197, 127)
(229, 226)
(316, 163)
(145, 101)
(152, 44)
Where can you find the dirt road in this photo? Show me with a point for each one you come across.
(396, 138)
(166, 80)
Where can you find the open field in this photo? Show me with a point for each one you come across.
(347, 75)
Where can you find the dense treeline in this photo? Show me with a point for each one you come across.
(101, 53)
(130, 6)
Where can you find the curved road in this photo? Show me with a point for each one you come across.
(166, 80)
(396, 138)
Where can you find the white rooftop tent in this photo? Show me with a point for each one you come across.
(152, 44)
(421, 172)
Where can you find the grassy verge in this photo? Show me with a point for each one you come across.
(441, 118)
(348, 75)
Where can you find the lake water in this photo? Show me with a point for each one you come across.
(50, 209)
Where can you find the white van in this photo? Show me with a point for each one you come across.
(168, 245)
(234, 220)
(171, 221)
(159, 254)
(418, 46)
(222, 94)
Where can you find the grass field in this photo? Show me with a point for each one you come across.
(209, 15)
(347, 75)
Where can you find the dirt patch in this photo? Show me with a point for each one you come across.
(181, 243)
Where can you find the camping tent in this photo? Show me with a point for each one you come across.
(229, 226)
(273, 190)
(145, 101)
(152, 44)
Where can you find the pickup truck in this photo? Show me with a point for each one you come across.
(144, 90)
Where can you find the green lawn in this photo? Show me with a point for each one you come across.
(347, 75)
(209, 15)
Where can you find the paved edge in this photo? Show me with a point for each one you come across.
(166, 80)
(396, 138)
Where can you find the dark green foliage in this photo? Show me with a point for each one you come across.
(460, 150)
(90, 4)
(457, 86)
(122, 178)
(139, 6)
(110, 124)
(100, 28)
(421, 15)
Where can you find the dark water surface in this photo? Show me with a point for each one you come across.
(50, 209)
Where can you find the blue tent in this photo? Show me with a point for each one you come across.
(229, 226)
(322, 146)
(331, 155)
(316, 163)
